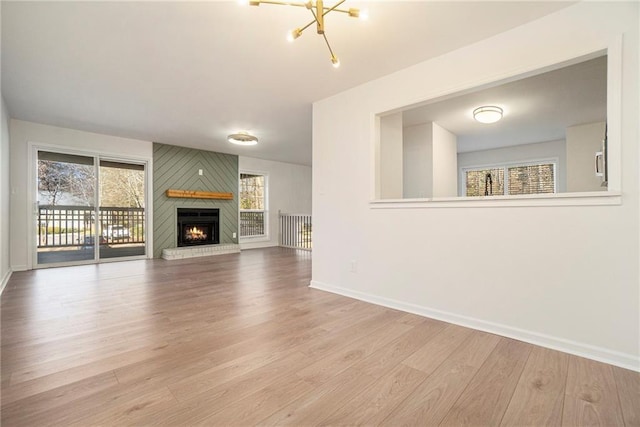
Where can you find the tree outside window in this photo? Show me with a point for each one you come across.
(516, 179)
(252, 205)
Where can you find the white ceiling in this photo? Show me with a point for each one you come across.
(190, 73)
(536, 109)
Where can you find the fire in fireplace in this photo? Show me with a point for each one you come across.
(198, 226)
(195, 233)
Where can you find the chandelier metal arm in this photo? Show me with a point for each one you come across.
(334, 7)
(301, 4)
(307, 26)
(284, 3)
(333, 56)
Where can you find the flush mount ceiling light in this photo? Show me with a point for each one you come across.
(242, 138)
(318, 10)
(487, 114)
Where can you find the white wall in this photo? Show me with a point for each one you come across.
(519, 153)
(289, 191)
(445, 162)
(417, 153)
(438, 261)
(5, 200)
(390, 149)
(22, 173)
(429, 161)
(583, 141)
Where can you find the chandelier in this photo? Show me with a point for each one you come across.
(318, 10)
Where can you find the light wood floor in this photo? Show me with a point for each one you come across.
(241, 340)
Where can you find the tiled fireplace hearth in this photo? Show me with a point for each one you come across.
(198, 251)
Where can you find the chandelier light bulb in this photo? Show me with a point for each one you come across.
(294, 34)
(335, 61)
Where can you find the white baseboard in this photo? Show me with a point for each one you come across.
(5, 280)
(623, 360)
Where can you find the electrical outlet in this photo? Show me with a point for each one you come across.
(354, 266)
(200, 172)
(234, 235)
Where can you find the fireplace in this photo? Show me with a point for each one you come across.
(198, 226)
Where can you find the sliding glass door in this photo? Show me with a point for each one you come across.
(122, 213)
(66, 208)
(88, 209)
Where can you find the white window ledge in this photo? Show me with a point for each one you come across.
(594, 198)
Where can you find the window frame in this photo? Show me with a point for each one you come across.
(462, 179)
(265, 211)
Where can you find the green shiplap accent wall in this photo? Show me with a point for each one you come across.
(177, 168)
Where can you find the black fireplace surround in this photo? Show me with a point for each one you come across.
(197, 226)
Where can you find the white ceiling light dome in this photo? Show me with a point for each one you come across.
(242, 138)
(487, 114)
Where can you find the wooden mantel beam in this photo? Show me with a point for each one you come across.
(188, 194)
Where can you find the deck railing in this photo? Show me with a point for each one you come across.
(251, 223)
(295, 231)
(64, 226)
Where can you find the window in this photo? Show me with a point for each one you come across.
(515, 179)
(253, 205)
(532, 179)
(484, 182)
